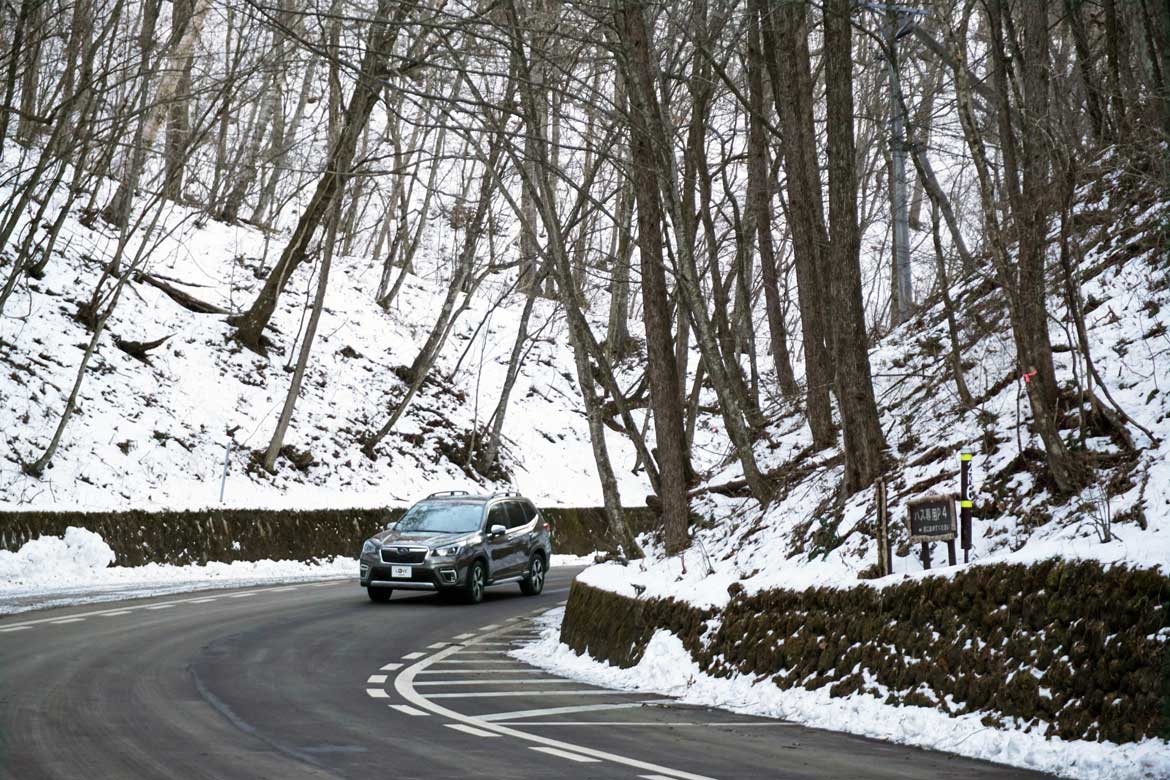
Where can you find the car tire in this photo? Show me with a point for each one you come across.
(533, 582)
(476, 583)
(379, 595)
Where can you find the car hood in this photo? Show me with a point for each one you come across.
(429, 538)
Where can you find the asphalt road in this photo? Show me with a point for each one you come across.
(315, 681)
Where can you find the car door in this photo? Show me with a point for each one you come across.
(500, 549)
(520, 534)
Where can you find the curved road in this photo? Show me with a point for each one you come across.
(315, 681)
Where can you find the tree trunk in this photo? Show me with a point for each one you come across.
(374, 66)
(861, 426)
(760, 200)
(784, 28)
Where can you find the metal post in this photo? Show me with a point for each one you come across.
(898, 188)
(926, 555)
(223, 479)
(885, 564)
(965, 504)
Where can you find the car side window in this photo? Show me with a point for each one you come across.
(529, 511)
(515, 514)
(497, 516)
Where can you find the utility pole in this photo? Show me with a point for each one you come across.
(898, 21)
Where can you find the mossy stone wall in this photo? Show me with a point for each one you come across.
(140, 537)
(1070, 649)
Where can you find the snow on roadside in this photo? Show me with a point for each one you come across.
(667, 668)
(75, 569)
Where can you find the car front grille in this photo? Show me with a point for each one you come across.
(403, 555)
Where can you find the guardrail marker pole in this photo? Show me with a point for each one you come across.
(965, 504)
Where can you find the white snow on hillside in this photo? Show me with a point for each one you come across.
(794, 544)
(155, 435)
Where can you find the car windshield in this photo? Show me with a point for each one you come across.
(450, 517)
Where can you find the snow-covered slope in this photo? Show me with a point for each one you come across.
(155, 433)
(1123, 237)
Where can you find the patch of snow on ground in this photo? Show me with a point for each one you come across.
(55, 571)
(668, 669)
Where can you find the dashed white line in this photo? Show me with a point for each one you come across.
(489, 627)
(412, 656)
(454, 661)
(464, 636)
(494, 670)
(493, 694)
(14, 628)
(243, 595)
(471, 730)
(391, 667)
(580, 759)
(160, 606)
(377, 693)
(518, 714)
(525, 681)
(406, 709)
(116, 612)
(376, 679)
(63, 621)
(655, 777)
(437, 645)
(203, 601)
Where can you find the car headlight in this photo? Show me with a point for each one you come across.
(370, 547)
(449, 551)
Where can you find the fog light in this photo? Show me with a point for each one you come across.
(448, 576)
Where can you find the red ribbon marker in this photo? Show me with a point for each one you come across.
(1028, 376)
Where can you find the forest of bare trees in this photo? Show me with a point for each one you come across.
(719, 174)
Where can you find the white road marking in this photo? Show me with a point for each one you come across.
(437, 645)
(464, 636)
(493, 694)
(494, 670)
(161, 605)
(470, 730)
(376, 679)
(525, 681)
(489, 627)
(14, 628)
(552, 751)
(705, 724)
(476, 661)
(469, 651)
(243, 595)
(63, 621)
(569, 710)
(391, 667)
(377, 693)
(412, 656)
(408, 710)
(654, 777)
(282, 590)
(117, 612)
(404, 686)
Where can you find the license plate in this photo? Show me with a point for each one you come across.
(400, 572)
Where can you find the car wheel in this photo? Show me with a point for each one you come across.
(380, 595)
(476, 582)
(533, 582)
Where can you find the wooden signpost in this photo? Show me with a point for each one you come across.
(932, 519)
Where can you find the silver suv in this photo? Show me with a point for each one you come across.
(457, 542)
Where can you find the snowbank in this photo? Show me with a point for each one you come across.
(667, 668)
(75, 569)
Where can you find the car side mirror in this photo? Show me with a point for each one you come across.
(497, 530)
(390, 526)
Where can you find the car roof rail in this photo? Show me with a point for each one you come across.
(442, 493)
(506, 493)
